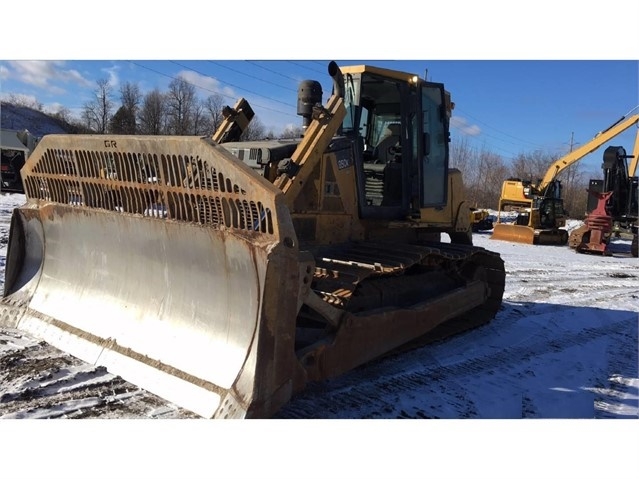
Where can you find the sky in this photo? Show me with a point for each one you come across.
(515, 90)
(505, 106)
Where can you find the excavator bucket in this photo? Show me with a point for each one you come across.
(513, 232)
(165, 259)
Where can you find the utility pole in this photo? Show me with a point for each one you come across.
(572, 136)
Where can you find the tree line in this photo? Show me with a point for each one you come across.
(177, 111)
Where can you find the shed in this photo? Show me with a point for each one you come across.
(9, 141)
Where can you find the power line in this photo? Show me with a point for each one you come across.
(209, 90)
(176, 78)
(286, 113)
(497, 130)
(234, 86)
(488, 146)
(252, 76)
(272, 71)
(308, 68)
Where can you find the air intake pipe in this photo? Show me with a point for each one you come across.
(338, 79)
(309, 94)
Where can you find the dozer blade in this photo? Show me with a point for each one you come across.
(511, 232)
(164, 259)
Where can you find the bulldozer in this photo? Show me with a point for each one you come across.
(480, 220)
(225, 276)
(540, 213)
(541, 216)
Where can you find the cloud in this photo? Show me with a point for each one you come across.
(208, 84)
(44, 74)
(114, 79)
(464, 127)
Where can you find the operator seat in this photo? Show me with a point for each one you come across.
(391, 138)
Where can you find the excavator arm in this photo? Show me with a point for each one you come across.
(600, 138)
(632, 168)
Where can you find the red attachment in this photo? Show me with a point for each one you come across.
(599, 224)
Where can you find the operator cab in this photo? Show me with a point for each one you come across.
(401, 127)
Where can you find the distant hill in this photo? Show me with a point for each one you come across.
(15, 117)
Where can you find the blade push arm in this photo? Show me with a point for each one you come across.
(236, 121)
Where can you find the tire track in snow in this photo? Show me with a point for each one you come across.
(357, 396)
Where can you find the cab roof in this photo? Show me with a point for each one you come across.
(395, 74)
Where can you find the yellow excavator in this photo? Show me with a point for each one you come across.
(539, 206)
(225, 275)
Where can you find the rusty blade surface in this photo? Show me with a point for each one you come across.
(160, 277)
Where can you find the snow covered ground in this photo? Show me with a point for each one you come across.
(562, 349)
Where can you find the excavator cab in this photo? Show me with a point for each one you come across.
(551, 213)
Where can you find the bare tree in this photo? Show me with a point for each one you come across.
(152, 115)
(575, 194)
(124, 120)
(63, 114)
(213, 106)
(130, 96)
(180, 102)
(200, 125)
(254, 131)
(292, 132)
(23, 100)
(486, 175)
(483, 172)
(97, 113)
(461, 156)
(496, 173)
(531, 166)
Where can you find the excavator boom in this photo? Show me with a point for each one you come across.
(599, 139)
(632, 168)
